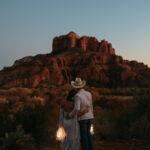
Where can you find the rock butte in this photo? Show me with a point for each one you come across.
(74, 56)
(72, 40)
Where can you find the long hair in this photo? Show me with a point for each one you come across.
(71, 95)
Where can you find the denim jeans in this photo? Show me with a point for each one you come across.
(86, 137)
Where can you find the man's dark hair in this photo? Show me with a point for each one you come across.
(71, 95)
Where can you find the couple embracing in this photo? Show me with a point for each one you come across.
(76, 115)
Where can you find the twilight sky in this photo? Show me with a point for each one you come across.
(27, 27)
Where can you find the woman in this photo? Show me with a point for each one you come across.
(71, 126)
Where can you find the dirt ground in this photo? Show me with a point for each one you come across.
(118, 145)
(123, 145)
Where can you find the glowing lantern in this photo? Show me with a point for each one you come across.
(60, 134)
(92, 129)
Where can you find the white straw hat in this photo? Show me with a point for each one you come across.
(78, 83)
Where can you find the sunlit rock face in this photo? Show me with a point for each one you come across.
(65, 41)
(72, 56)
(85, 43)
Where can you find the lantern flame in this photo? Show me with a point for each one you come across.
(60, 134)
(92, 129)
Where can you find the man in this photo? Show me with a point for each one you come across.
(83, 100)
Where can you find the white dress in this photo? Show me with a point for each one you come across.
(71, 126)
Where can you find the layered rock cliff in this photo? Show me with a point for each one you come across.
(74, 56)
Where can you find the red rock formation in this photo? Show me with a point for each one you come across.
(86, 57)
(106, 47)
(72, 40)
(67, 41)
(88, 43)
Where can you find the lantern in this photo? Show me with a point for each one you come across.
(60, 134)
(92, 129)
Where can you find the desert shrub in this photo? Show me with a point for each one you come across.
(17, 140)
(64, 93)
(39, 99)
(115, 119)
(109, 103)
(6, 123)
(102, 102)
(34, 93)
(35, 121)
(49, 94)
(3, 100)
(143, 103)
(101, 123)
(51, 86)
(37, 127)
(143, 114)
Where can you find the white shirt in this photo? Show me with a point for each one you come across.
(82, 100)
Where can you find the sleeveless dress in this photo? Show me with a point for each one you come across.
(71, 126)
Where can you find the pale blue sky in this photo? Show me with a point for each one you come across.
(27, 27)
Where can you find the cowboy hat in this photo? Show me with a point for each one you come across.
(78, 83)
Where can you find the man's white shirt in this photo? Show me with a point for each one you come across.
(82, 100)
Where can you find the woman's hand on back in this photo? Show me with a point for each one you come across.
(81, 113)
(86, 110)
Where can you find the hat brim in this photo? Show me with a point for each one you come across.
(78, 86)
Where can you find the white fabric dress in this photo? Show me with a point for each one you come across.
(71, 126)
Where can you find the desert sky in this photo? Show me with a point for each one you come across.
(27, 27)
